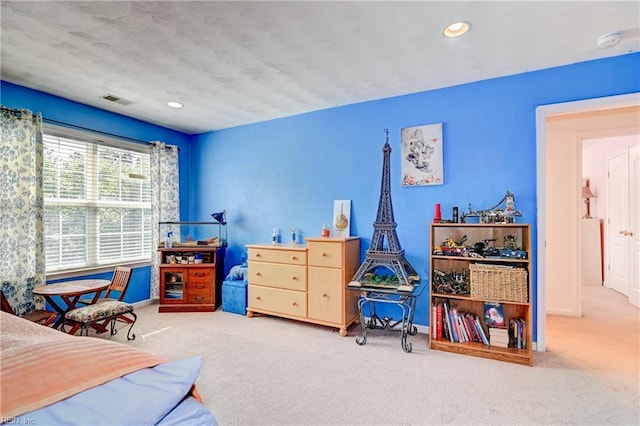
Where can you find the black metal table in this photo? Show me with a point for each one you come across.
(406, 300)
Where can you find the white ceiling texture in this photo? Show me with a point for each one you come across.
(239, 62)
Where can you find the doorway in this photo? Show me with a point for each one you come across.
(609, 168)
(558, 194)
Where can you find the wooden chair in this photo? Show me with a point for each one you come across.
(39, 316)
(119, 284)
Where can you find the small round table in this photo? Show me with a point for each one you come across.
(70, 292)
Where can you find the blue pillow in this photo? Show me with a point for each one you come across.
(237, 273)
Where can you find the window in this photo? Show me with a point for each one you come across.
(97, 205)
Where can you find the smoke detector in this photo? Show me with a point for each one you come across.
(608, 39)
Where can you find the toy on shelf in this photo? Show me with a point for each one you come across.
(496, 214)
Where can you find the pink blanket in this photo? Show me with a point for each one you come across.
(40, 365)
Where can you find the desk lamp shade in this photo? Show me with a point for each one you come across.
(220, 217)
(586, 195)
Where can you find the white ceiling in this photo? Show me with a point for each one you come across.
(233, 63)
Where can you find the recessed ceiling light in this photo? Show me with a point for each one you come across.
(174, 104)
(456, 29)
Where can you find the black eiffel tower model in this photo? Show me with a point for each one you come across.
(392, 258)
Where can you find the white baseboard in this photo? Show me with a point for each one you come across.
(565, 312)
(145, 302)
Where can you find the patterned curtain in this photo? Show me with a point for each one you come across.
(165, 198)
(21, 209)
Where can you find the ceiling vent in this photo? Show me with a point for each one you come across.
(116, 99)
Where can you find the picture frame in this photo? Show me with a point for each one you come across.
(341, 218)
(422, 155)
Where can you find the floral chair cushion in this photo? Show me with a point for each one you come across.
(99, 311)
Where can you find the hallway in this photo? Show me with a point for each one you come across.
(605, 339)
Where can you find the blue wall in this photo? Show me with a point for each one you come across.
(286, 173)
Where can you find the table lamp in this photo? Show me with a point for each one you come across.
(586, 195)
(220, 217)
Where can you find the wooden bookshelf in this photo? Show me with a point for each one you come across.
(473, 303)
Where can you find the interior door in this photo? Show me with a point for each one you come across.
(617, 270)
(634, 224)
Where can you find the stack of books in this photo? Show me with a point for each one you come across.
(499, 337)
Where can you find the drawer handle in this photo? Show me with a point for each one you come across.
(325, 295)
(199, 298)
(324, 255)
(199, 274)
(294, 304)
(294, 278)
(258, 298)
(294, 258)
(198, 285)
(258, 255)
(258, 274)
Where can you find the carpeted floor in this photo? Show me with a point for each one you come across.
(271, 371)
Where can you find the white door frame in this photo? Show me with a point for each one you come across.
(542, 112)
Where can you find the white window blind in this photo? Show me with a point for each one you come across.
(97, 203)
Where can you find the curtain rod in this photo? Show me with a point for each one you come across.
(62, 123)
(16, 111)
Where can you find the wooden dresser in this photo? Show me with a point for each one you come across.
(305, 282)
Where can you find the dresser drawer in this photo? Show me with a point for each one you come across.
(197, 286)
(292, 257)
(199, 275)
(278, 301)
(199, 298)
(290, 277)
(325, 253)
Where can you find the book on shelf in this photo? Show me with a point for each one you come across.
(447, 322)
(454, 326)
(493, 314)
(480, 329)
(474, 327)
(470, 327)
(446, 334)
(439, 333)
(434, 318)
(464, 337)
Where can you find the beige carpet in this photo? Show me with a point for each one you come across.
(266, 370)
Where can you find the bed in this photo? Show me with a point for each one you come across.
(49, 377)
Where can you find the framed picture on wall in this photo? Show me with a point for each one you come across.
(342, 218)
(421, 154)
